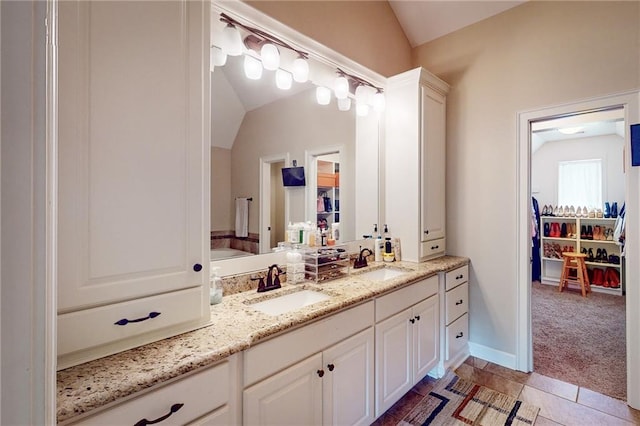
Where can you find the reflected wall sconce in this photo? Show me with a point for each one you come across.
(366, 95)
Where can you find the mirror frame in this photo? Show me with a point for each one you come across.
(368, 171)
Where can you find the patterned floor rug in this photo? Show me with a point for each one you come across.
(455, 401)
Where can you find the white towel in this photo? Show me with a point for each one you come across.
(242, 217)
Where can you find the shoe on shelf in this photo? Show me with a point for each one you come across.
(605, 256)
(555, 211)
(592, 214)
(545, 211)
(583, 250)
(614, 277)
(547, 229)
(596, 232)
(605, 279)
(598, 277)
(563, 230)
(607, 210)
(589, 232)
(583, 232)
(598, 255)
(590, 255)
(614, 210)
(599, 213)
(585, 212)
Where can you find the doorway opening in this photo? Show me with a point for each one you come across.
(274, 202)
(578, 193)
(629, 103)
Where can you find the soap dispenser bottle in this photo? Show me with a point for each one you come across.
(215, 292)
(377, 249)
(388, 254)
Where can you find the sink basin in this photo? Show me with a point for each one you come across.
(382, 274)
(290, 302)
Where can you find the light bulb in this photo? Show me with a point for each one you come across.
(344, 104)
(218, 57)
(270, 56)
(300, 70)
(283, 79)
(362, 109)
(231, 41)
(378, 101)
(341, 87)
(323, 95)
(252, 68)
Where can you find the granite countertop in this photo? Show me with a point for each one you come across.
(235, 326)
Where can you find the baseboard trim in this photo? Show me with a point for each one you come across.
(493, 355)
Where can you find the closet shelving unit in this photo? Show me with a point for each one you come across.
(329, 183)
(552, 267)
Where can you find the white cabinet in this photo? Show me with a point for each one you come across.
(415, 163)
(132, 173)
(407, 340)
(208, 397)
(332, 384)
(454, 319)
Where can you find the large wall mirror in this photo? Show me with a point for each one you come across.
(257, 129)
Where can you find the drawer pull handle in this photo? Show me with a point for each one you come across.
(426, 232)
(459, 302)
(197, 267)
(331, 367)
(417, 317)
(459, 277)
(459, 335)
(435, 247)
(413, 320)
(125, 321)
(320, 373)
(145, 422)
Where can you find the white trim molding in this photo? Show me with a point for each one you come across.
(630, 102)
(495, 356)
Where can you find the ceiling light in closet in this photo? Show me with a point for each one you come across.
(571, 130)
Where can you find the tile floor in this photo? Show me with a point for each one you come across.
(560, 403)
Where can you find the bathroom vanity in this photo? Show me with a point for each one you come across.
(275, 368)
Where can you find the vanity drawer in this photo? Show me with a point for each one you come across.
(400, 300)
(457, 302)
(431, 249)
(200, 393)
(457, 336)
(97, 326)
(456, 277)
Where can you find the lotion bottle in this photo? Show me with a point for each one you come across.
(377, 249)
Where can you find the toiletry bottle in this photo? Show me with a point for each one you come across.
(396, 249)
(377, 248)
(215, 291)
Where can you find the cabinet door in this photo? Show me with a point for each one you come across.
(393, 359)
(291, 397)
(432, 165)
(133, 151)
(425, 337)
(348, 381)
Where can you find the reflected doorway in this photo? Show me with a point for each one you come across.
(274, 212)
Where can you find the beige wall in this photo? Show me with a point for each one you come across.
(535, 55)
(365, 31)
(221, 205)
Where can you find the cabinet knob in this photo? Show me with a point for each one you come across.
(459, 335)
(426, 232)
(435, 247)
(459, 302)
(417, 317)
(125, 321)
(413, 320)
(459, 277)
(197, 267)
(320, 373)
(144, 422)
(331, 367)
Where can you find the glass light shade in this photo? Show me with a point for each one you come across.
(571, 130)
(362, 110)
(323, 95)
(252, 68)
(378, 101)
(270, 56)
(283, 79)
(218, 57)
(341, 87)
(231, 41)
(362, 95)
(300, 70)
(344, 104)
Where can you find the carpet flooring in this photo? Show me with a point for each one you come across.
(455, 401)
(580, 340)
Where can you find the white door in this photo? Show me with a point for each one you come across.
(425, 337)
(348, 381)
(393, 359)
(133, 150)
(291, 397)
(432, 165)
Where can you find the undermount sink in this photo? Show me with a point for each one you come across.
(382, 274)
(290, 302)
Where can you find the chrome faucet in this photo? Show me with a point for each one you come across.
(361, 260)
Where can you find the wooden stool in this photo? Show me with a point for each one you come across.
(575, 261)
